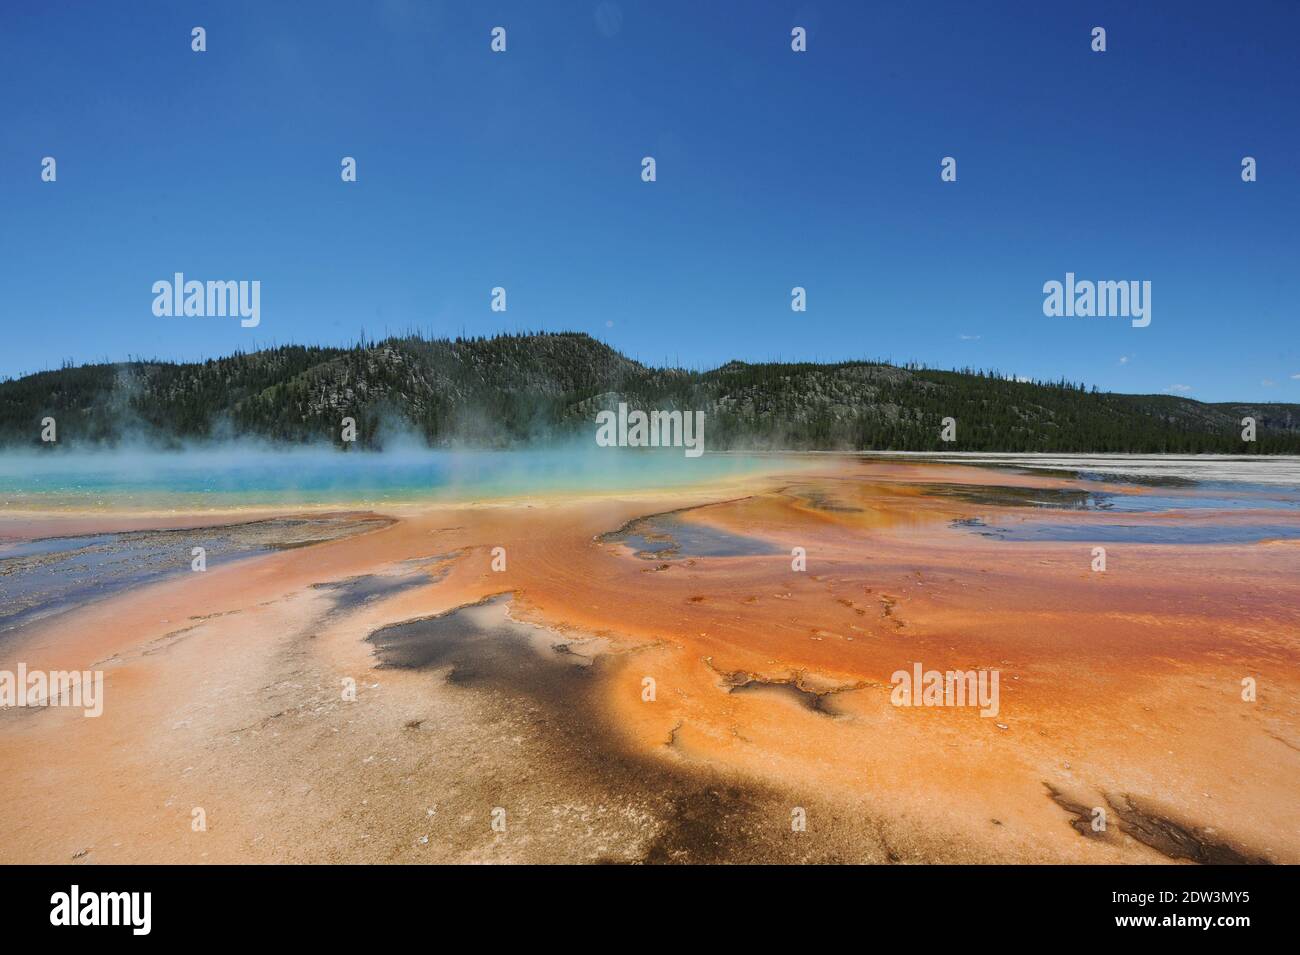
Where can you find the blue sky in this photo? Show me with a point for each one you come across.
(775, 169)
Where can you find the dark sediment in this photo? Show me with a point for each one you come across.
(684, 813)
(350, 593)
(1175, 840)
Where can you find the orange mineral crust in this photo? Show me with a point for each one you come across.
(701, 675)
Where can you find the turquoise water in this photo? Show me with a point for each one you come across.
(230, 477)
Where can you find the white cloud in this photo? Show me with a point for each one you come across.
(975, 338)
(1179, 389)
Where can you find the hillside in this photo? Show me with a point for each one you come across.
(516, 389)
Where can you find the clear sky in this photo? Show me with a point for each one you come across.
(775, 169)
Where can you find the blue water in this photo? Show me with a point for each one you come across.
(233, 476)
(1168, 533)
(668, 536)
(1136, 503)
(1260, 510)
(42, 577)
(79, 569)
(50, 545)
(1226, 497)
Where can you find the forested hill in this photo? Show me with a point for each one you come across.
(517, 389)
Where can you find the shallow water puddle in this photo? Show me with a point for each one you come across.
(1071, 499)
(1168, 533)
(668, 536)
(42, 577)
